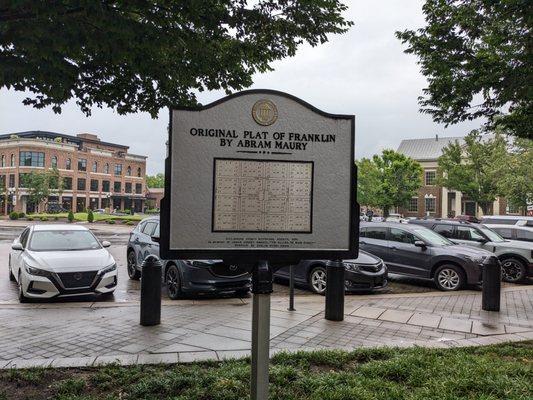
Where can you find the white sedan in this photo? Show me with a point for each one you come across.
(61, 260)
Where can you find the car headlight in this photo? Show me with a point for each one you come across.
(36, 271)
(111, 268)
(351, 267)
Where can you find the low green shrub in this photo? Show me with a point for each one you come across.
(111, 222)
(130, 223)
(56, 218)
(90, 216)
(22, 215)
(13, 215)
(30, 218)
(44, 219)
(70, 216)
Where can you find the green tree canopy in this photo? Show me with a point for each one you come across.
(515, 181)
(389, 180)
(144, 55)
(155, 181)
(477, 49)
(473, 167)
(40, 185)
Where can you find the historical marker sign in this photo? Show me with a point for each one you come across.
(259, 175)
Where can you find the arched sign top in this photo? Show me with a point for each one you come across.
(265, 92)
(259, 175)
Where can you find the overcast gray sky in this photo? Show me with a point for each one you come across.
(363, 72)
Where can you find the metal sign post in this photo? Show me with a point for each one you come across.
(260, 177)
(261, 289)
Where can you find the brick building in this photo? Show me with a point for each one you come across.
(95, 174)
(433, 200)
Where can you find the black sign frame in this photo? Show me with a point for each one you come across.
(248, 256)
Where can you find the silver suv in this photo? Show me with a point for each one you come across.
(516, 256)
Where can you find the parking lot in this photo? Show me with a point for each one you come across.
(93, 331)
(128, 290)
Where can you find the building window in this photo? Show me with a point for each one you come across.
(127, 188)
(82, 164)
(67, 183)
(139, 172)
(116, 187)
(430, 204)
(94, 185)
(11, 180)
(105, 186)
(53, 162)
(95, 166)
(138, 188)
(431, 177)
(2, 181)
(118, 169)
(30, 159)
(3, 161)
(128, 171)
(12, 160)
(68, 164)
(106, 168)
(413, 205)
(81, 183)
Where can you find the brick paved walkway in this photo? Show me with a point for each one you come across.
(80, 334)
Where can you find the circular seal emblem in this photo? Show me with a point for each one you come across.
(265, 112)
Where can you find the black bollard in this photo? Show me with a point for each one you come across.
(151, 291)
(491, 284)
(335, 290)
(291, 289)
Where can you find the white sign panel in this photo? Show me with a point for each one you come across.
(259, 175)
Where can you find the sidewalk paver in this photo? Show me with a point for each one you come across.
(454, 324)
(368, 312)
(102, 333)
(424, 319)
(396, 316)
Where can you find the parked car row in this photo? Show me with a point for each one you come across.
(66, 260)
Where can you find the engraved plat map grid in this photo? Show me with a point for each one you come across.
(262, 196)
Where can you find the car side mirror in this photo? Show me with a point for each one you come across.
(105, 243)
(420, 243)
(17, 246)
(482, 240)
(155, 239)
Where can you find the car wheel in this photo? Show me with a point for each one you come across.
(317, 280)
(513, 270)
(449, 277)
(173, 280)
(133, 272)
(11, 276)
(22, 297)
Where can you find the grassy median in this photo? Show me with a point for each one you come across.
(82, 216)
(495, 372)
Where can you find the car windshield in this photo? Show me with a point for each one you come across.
(492, 235)
(432, 237)
(63, 240)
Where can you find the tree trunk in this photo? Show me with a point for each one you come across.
(485, 207)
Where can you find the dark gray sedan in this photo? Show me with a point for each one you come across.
(419, 252)
(365, 273)
(184, 276)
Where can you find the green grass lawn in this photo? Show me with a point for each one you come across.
(484, 373)
(82, 216)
